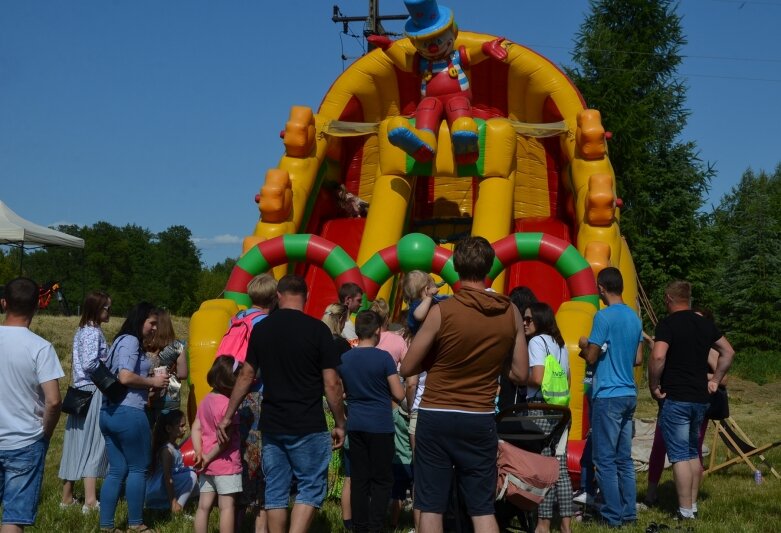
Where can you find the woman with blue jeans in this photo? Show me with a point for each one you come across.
(124, 425)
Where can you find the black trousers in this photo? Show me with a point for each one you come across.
(371, 458)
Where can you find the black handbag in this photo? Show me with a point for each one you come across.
(76, 401)
(719, 405)
(106, 380)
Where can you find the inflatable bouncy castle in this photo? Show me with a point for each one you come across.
(421, 141)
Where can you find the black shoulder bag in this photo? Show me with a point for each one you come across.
(106, 380)
(76, 401)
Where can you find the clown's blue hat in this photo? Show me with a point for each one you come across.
(426, 18)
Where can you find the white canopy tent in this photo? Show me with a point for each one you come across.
(15, 230)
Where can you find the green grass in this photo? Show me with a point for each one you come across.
(730, 501)
(757, 366)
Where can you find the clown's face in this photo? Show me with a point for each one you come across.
(437, 46)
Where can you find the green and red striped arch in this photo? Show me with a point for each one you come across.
(284, 249)
(414, 251)
(556, 252)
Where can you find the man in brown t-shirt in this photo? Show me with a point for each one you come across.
(462, 344)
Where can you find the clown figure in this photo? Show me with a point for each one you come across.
(444, 84)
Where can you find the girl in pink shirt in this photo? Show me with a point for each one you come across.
(219, 464)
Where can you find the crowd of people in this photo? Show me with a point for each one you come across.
(412, 405)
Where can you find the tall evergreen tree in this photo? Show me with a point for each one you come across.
(747, 287)
(627, 55)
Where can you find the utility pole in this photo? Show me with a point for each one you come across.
(373, 21)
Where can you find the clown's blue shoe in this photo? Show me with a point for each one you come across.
(412, 143)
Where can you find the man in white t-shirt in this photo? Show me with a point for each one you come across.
(30, 399)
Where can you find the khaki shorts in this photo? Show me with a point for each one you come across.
(413, 422)
(227, 484)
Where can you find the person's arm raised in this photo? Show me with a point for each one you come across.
(421, 344)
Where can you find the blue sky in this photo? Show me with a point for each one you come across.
(168, 112)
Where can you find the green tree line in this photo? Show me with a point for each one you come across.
(131, 263)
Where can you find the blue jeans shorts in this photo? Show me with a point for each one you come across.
(304, 456)
(680, 423)
(21, 476)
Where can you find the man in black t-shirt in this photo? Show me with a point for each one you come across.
(678, 375)
(297, 360)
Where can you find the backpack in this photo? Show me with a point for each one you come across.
(236, 339)
(524, 478)
(555, 386)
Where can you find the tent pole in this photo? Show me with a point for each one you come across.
(83, 276)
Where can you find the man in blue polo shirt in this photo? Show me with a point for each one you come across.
(618, 330)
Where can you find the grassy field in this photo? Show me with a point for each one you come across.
(729, 502)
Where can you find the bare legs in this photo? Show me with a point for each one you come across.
(688, 476)
(300, 519)
(432, 523)
(90, 492)
(543, 525)
(227, 506)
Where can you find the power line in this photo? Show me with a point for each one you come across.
(683, 56)
(744, 2)
(683, 75)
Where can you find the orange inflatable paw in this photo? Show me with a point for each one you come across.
(590, 135)
(276, 196)
(597, 254)
(299, 135)
(600, 202)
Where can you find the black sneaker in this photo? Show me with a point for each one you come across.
(680, 518)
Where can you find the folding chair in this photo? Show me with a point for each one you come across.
(738, 443)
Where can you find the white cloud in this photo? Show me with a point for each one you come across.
(217, 240)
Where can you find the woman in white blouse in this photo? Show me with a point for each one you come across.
(84, 449)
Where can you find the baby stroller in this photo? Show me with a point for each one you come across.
(530, 428)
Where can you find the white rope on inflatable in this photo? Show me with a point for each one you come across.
(340, 128)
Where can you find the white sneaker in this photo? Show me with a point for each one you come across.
(584, 498)
(86, 509)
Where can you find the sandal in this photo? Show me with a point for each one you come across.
(73, 503)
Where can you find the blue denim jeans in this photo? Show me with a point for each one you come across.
(21, 475)
(304, 456)
(611, 436)
(128, 443)
(680, 423)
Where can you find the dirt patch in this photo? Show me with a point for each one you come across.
(747, 392)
